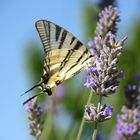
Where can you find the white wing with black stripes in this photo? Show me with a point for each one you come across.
(65, 55)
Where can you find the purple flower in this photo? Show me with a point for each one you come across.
(90, 82)
(29, 106)
(93, 70)
(132, 94)
(90, 113)
(106, 50)
(93, 114)
(128, 122)
(109, 18)
(129, 129)
(34, 115)
(121, 74)
(91, 44)
(108, 110)
(119, 128)
(104, 68)
(126, 130)
(112, 88)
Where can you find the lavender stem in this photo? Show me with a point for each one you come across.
(83, 120)
(96, 123)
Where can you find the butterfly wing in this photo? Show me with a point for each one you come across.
(65, 55)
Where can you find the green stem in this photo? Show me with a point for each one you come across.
(47, 126)
(49, 123)
(95, 131)
(96, 123)
(83, 120)
(99, 104)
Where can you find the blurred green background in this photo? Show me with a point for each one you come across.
(22, 60)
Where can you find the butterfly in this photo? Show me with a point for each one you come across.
(65, 56)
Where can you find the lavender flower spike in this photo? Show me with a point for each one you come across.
(106, 50)
(104, 69)
(34, 116)
(128, 122)
(108, 20)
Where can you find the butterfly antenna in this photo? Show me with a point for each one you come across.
(37, 85)
(32, 98)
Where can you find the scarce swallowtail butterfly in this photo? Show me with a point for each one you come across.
(65, 56)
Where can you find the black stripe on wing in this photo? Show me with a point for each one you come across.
(43, 29)
(70, 52)
(66, 59)
(72, 40)
(63, 37)
(78, 45)
(79, 60)
(57, 32)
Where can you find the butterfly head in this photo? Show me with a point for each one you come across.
(51, 85)
(47, 90)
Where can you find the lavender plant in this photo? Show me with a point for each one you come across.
(94, 115)
(34, 115)
(128, 121)
(104, 75)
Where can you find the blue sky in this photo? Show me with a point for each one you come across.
(17, 20)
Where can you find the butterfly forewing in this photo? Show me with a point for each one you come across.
(54, 36)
